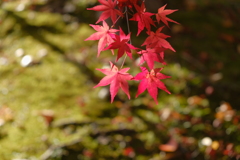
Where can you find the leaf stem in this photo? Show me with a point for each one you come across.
(128, 27)
(117, 20)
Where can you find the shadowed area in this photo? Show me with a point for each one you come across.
(49, 109)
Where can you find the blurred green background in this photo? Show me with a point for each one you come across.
(50, 111)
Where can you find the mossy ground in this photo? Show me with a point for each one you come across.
(50, 82)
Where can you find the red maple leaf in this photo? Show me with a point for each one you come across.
(109, 10)
(157, 40)
(128, 151)
(128, 3)
(143, 18)
(150, 55)
(151, 82)
(103, 34)
(121, 43)
(161, 15)
(117, 79)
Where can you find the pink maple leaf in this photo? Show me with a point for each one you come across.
(151, 82)
(143, 18)
(150, 55)
(109, 10)
(103, 34)
(121, 43)
(117, 79)
(157, 40)
(161, 15)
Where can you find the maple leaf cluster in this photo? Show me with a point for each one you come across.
(115, 39)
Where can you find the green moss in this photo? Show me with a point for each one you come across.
(52, 82)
